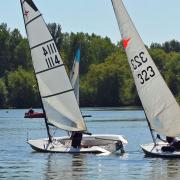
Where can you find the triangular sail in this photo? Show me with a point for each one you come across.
(162, 110)
(74, 75)
(55, 88)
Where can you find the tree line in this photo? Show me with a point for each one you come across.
(105, 77)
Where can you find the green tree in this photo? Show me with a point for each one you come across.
(21, 91)
(160, 57)
(172, 45)
(94, 49)
(55, 30)
(3, 94)
(22, 56)
(5, 55)
(109, 83)
(172, 75)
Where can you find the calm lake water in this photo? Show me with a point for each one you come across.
(19, 162)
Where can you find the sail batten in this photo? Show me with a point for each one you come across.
(33, 19)
(58, 93)
(58, 98)
(41, 44)
(45, 70)
(161, 108)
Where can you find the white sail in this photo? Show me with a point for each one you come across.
(55, 88)
(74, 75)
(161, 108)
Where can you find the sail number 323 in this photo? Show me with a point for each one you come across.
(145, 74)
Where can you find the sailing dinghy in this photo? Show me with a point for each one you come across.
(160, 107)
(57, 95)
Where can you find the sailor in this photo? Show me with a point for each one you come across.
(31, 111)
(168, 147)
(170, 140)
(76, 139)
(173, 142)
(119, 146)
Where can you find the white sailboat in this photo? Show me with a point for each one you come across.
(58, 99)
(160, 107)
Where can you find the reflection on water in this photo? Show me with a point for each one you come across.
(163, 169)
(172, 169)
(18, 162)
(66, 166)
(85, 167)
(78, 167)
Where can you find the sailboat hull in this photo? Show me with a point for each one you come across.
(155, 151)
(90, 144)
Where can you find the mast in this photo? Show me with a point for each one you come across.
(46, 122)
(45, 118)
(44, 112)
(151, 130)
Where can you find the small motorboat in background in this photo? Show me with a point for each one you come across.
(32, 114)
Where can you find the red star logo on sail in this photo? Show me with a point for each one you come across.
(26, 13)
(126, 42)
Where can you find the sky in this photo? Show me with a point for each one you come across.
(156, 20)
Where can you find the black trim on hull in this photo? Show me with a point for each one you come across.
(153, 155)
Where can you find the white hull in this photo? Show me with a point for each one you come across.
(90, 144)
(155, 151)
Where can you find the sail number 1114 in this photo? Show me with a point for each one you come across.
(51, 55)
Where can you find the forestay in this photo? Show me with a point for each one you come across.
(159, 104)
(55, 88)
(74, 75)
